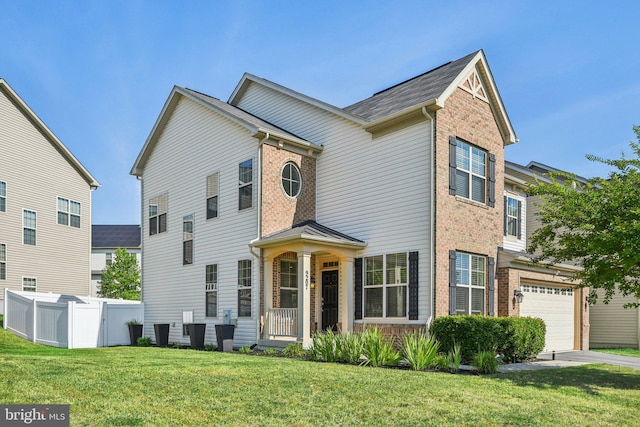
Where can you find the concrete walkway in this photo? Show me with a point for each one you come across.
(567, 359)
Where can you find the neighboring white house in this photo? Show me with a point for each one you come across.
(105, 239)
(45, 206)
(295, 215)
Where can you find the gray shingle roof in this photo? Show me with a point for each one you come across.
(311, 230)
(240, 113)
(414, 91)
(115, 236)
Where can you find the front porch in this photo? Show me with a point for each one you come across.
(307, 283)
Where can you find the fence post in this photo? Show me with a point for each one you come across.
(35, 324)
(70, 312)
(6, 307)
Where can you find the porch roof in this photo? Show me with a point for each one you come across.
(309, 231)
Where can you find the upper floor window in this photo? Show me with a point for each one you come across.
(3, 261)
(244, 288)
(108, 258)
(385, 285)
(471, 278)
(187, 240)
(212, 195)
(29, 284)
(158, 214)
(28, 227)
(211, 290)
(68, 212)
(245, 183)
(512, 217)
(291, 180)
(470, 168)
(3, 196)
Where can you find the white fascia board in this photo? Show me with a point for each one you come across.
(431, 105)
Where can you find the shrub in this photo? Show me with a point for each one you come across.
(294, 350)
(350, 347)
(270, 352)
(441, 362)
(419, 350)
(245, 350)
(378, 350)
(323, 347)
(518, 338)
(485, 362)
(144, 342)
(210, 347)
(454, 357)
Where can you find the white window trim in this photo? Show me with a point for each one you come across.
(158, 213)
(246, 184)
(35, 281)
(4, 261)
(210, 194)
(188, 237)
(68, 211)
(242, 287)
(4, 196)
(211, 287)
(516, 199)
(471, 173)
(470, 286)
(385, 286)
(282, 178)
(30, 228)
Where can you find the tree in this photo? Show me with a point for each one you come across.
(596, 225)
(121, 279)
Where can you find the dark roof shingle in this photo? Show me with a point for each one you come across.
(115, 236)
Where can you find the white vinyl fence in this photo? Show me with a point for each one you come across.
(70, 321)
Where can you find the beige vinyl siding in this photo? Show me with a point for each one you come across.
(36, 174)
(374, 189)
(194, 144)
(512, 242)
(533, 221)
(612, 325)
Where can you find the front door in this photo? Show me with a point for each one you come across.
(330, 300)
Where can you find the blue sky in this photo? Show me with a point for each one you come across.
(98, 73)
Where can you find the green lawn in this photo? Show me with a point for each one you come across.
(167, 387)
(633, 352)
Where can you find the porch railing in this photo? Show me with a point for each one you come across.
(282, 322)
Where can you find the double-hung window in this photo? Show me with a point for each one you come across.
(187, 239)
(29, 284)
(288, 284)
(68, 212)
(212, 195)
(471, 278)
(513, 217)
(471, 172)
(245, 184)
(3, 196)
(211, 290)
(385, 285)
(158, 214)
(244, 288)
(3, 261)
(28, 227)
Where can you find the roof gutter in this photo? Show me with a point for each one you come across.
(432, 211)
(432, 104)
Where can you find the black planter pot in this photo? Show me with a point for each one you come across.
(196, 335)
(162, 334)
(135, 332)
(224, 336)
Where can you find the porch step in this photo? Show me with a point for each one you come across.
(274, 344)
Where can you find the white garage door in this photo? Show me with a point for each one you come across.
(555, 306)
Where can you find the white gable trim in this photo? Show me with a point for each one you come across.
(4, 86)
(248, 78)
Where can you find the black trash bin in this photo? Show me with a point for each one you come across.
(162, 334)
(196, 335)
(224, 336)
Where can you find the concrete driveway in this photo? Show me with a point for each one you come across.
(593, 357)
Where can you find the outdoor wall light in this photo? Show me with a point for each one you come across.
(517, 293)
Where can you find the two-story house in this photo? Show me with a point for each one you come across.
(45, 206)
(105, 240)
(293, 215)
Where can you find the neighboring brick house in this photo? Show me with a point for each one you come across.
(45, 206)
(105, 240)
(294, 215)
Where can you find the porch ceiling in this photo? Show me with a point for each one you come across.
(309, 232)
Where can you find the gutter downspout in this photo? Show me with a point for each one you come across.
(431, 214)
(259, 225)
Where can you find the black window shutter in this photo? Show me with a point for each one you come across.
(491, 293)
(413, 285)
(452, 282)
(519, 222)
(492, 180)
(358, 289)
(452, 164)
(504, 232)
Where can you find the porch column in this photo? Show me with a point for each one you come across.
(268, 292)
(348, 308)
(304, 298)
